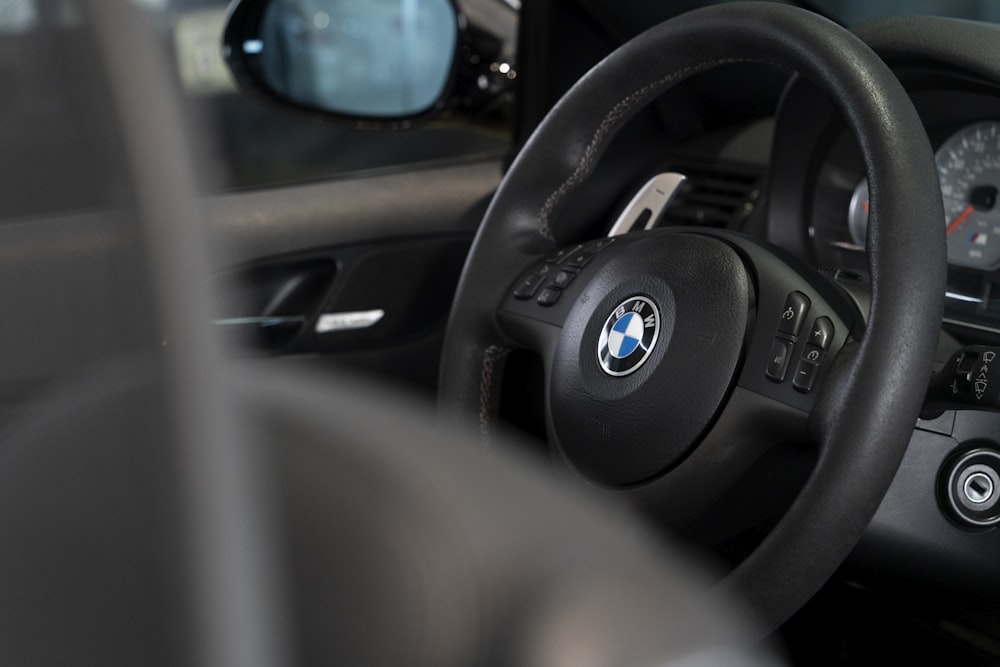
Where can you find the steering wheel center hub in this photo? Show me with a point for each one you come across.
(648, 355)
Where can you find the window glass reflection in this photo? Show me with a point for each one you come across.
(362, 57)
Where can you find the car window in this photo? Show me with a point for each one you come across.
(252, 145)
(851, 12)
(45, 141)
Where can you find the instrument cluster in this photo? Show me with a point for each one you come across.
(968, 164)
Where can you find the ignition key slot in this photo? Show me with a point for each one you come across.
(971, 487)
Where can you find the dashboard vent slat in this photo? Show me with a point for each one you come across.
(720, 194)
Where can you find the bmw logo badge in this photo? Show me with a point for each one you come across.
(628, 336)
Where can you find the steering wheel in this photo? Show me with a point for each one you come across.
(674, 358)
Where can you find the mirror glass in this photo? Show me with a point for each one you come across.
(370, 58)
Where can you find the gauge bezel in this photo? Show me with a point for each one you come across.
(857, 226)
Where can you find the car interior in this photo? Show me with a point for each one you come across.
(489, 332)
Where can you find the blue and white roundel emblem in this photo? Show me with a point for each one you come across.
(628, 336)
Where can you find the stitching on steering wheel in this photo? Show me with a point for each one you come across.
(614, 117)
(491, 356)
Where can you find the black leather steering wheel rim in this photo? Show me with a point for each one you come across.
(866, 410)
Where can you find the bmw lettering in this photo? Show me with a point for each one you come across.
(628, 336)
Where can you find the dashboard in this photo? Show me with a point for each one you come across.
(962, 118)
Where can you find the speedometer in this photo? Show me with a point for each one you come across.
(969, 167)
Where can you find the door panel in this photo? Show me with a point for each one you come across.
(251, 226)
(358, 272)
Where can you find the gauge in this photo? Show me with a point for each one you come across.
(857, 214)
(969, 168)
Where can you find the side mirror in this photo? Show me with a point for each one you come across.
(374, 62)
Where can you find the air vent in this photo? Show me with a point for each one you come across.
(714, 195)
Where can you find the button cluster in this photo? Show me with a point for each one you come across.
(546, 282)
(789, 331)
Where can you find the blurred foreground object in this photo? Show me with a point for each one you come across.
(158, 506)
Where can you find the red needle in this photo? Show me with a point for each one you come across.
(957, 222)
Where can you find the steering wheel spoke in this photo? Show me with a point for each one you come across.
(748, 426)
(802, 321)
(534, 309)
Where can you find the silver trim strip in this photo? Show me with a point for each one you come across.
(654, 197)
(262, 321)
(844, 245)
(359, 319)
(971, 325)
(955, 296)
